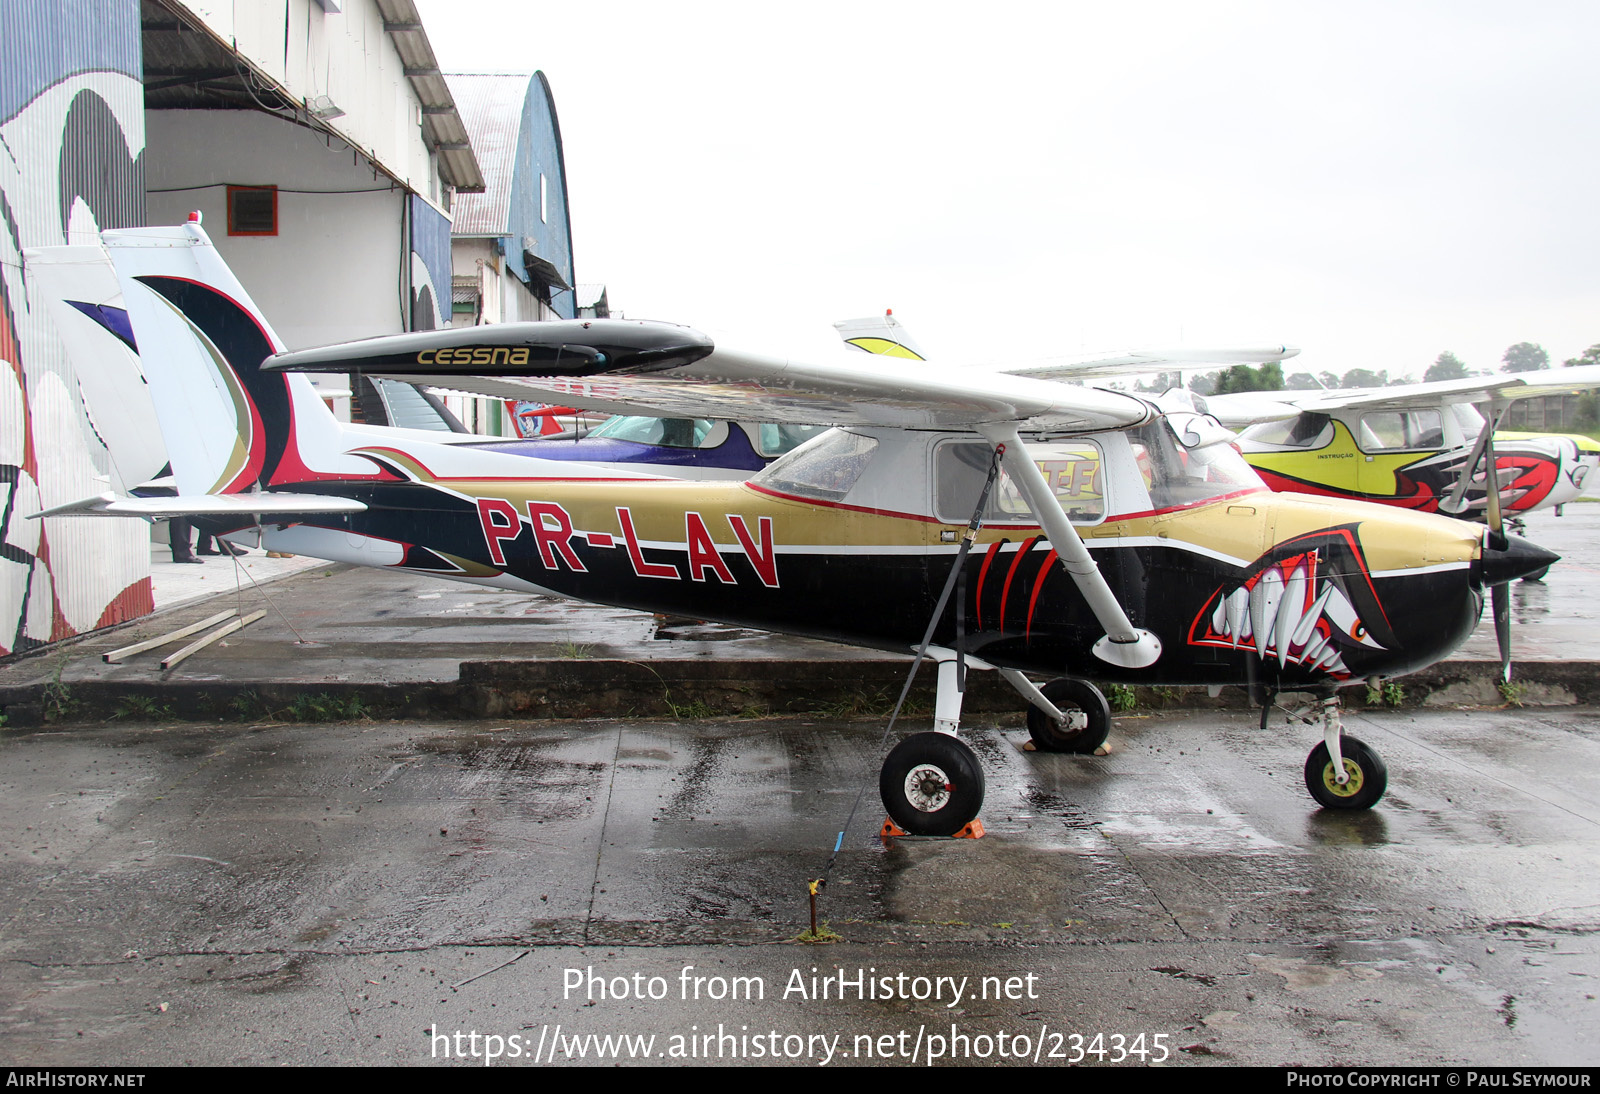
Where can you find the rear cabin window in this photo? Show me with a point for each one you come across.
(666, 432)
(824, 468)
(776, 438)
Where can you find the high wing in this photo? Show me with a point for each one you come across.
(626, 366)
(1153, 360)
(884, 334)
(1472, 389)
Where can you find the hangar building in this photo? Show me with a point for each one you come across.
(327, 155)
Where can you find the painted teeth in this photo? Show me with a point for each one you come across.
(1302, 633)
(1294, 597)
(1273, 618)
(1264, 609)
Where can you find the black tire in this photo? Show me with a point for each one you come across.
(1070, 695)
(1368, 777)
(931, 784)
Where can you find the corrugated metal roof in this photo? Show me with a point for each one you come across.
(441, 126)
(491, 107)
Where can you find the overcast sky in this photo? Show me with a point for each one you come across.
(1374, 182)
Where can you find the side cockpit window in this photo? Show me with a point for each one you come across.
(1073, 470)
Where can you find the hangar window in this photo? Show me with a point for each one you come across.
(252, 210)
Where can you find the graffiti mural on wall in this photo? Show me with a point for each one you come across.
(73, 136)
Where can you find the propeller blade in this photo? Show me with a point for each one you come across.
(1501, 597)
(1495, 517)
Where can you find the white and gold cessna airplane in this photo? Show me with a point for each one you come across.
(1112, 542)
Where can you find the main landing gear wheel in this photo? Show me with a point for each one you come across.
(1368, 777)
(931, 784)
(1088, 718)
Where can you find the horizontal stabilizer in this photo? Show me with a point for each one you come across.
(276, 504)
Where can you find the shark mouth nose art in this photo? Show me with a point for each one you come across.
(1306, 608)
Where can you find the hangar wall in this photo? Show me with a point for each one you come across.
(75, 102)
(333, 215)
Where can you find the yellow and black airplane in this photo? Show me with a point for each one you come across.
(995, 521)
(1419, 446)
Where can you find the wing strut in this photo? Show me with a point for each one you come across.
(1124, 644)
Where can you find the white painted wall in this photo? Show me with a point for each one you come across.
(335, 271)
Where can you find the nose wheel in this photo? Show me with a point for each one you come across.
(1365, 777)
(931, 784)
(1085, 723)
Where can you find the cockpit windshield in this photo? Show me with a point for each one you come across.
(1177, 475)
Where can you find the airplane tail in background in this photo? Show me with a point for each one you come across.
(880, 334)
(80, 289)
(228, 426)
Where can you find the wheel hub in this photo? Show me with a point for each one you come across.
(928, 788)
(1353, 779)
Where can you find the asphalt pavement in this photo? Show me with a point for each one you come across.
(359, 893)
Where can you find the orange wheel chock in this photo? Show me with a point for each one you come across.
(973, 829)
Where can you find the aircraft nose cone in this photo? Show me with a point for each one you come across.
(1518, 558)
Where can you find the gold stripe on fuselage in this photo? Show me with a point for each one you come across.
(1240, 528)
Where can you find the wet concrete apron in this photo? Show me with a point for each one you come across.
(347, 893)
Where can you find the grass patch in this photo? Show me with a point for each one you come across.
(247, 705)
(575, 651)
(1386, 693)
(875, 704)
(327, 708)
(690, 711)
(822, 936)
(1121, 698)
(141, 707)
(1512, 693)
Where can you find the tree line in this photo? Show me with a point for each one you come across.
(1522, 357)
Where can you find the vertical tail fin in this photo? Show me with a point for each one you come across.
(879, 334)
(227, 425)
